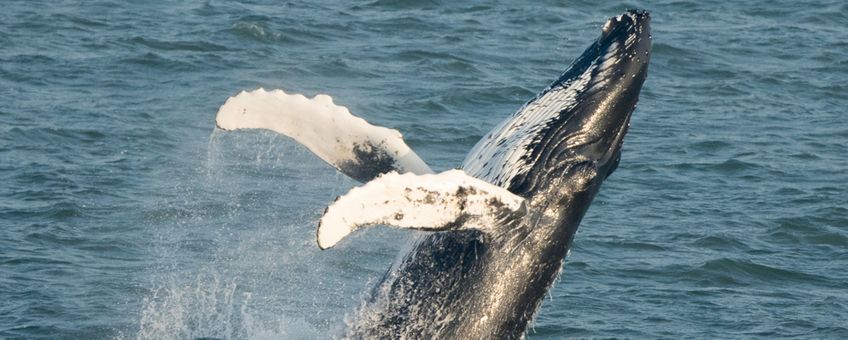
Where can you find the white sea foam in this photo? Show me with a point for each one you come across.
(213, 307)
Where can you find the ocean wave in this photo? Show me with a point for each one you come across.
(257, 31)
(746, 272)
(177, 45)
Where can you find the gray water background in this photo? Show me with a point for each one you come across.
(124, 215)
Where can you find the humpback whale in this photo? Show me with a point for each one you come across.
(497, 230)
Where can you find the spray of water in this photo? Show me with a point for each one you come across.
(236, 248)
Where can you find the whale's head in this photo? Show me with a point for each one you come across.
(579, 122)
(617, 65)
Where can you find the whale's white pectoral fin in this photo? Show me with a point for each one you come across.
(451, 200)
(348, 143)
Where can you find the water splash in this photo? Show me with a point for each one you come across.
(232, 267)
(213, 307)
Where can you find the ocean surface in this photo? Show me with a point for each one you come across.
(124, 214)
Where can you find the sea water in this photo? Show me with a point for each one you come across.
(125, 215)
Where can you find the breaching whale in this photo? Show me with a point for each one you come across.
(499, 227)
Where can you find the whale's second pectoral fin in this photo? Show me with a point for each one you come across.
(348, 143)
(451, 200)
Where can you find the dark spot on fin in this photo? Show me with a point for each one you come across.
(370, 162)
